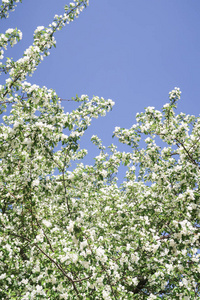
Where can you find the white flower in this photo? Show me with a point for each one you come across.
(39, 238)
(134, 257)
(74, 257)
(64, 296)
(135, 281)
(27, 141)
(24, 281)
(70, 176)
(1, 54)
(9, 30)
(99, 251)
(8, 81)
(35, 182)
(47, 223)
(166, 105)
(83, 244)
(152, 297)
(70, 228)
(73, 134)
(53, 279)
(2, 276)
(20, 34)
(83, 97)
(150, 108)
(100, 281)
(111, 102)
(106, 295)
(104, 173)
(85, 264)
(185, 282)
(100, 254)
(39, 28)
(64, 258)
(169, 268)
(36, 268)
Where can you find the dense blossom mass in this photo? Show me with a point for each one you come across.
(79, 234)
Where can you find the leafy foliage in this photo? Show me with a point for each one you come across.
(78, 234)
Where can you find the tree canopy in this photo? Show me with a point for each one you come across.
(78, 234)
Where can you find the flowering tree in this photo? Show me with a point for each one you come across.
(78, 234)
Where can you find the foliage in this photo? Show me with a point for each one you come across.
(78, 234)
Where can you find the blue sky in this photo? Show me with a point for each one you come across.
(133, 52)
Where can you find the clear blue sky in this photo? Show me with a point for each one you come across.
(133, 52)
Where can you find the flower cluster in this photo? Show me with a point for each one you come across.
(75, 233)
(7, 6)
